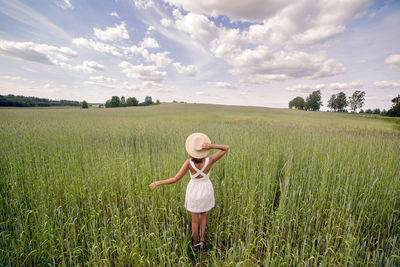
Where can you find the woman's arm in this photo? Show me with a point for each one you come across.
(178, 176)
(219, 154)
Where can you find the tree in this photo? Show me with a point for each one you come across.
(123, 101)
(158, 102)
(341, 102)
(356, 100)
(332, 102)
(115, 102)
(297, 103)
(148, 100)
(132, 101)
(376, 111)
(394, 111)
(85, 104)
(108, 104)
(369, 111)
(313, 101)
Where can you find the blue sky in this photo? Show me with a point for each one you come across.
(255, 52)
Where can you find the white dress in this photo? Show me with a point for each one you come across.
(199, 191)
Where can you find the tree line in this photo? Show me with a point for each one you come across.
(30, 101)
(116, 101)
(338, 103)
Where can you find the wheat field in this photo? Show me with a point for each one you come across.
(296, 188)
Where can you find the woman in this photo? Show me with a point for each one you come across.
(199, 192)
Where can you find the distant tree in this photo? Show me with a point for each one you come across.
(361, 111)
(313, 101)
(369, 111)
(115, 102)
(297, 103)
(108, 104)
(341, 102)
(356, 100)
(376, 111)
(394, 111)
(123, 103)
(332, 103)
(158, 102)
(132, 101)
(85, 104)
(148, 100)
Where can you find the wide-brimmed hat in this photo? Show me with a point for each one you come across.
(193, 145)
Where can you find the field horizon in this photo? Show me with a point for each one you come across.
(296, 188)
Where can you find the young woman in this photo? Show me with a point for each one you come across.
(199, 192)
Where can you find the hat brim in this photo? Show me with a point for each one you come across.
(193, 145)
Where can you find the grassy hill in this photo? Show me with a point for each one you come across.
(295, 188)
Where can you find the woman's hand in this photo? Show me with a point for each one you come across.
(153, 185)
(206, 146)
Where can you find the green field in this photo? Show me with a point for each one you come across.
(296, 188)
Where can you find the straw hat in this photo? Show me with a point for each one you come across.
(193, 145)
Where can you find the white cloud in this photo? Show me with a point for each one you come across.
(250, 10)
(13, 78)
(141, 72)
(149, 42)
(189, 70)
(118, 32)
(305, 88)
(111, 83)
(198, 26)
(42, 53)
(260, 65)
(393, 61)
(161, 59)
(387, 84)
(348, 85)
(143, 4)
(89, 67)
(156, 87)
(165, 22)
(114, 14)
(98, 46)
(223, 85)
(65, 4)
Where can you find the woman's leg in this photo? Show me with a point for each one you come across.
(195, 227)
(203, 221)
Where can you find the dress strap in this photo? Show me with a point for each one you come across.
(199, 172)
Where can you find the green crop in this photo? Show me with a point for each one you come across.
(296, 188)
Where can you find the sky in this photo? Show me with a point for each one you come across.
(254, 52)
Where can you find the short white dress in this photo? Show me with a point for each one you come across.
(199, 191)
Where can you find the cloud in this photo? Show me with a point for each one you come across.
(141, 72)
(32, 19)
(261, 65)
(116, 33)
(250, 10)
(114, 14)
(111, 83)
(65, 4)
(393, 61)
(348, 85)
(13, 78)
(305, 88)
(198, 26)
(42, 53)
(149, 42)
(143, 4)
(156, 87)
(387, 84)
(299, 23)
(189, 70)
(166, 22)
(95, 45)
(223, 85)
(89, 67)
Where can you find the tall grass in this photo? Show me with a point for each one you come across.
(296, 187)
